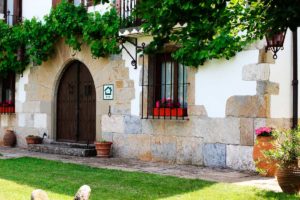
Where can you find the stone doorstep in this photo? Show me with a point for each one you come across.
(74, 145)
(63, 149)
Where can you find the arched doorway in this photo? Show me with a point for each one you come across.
(76, 105)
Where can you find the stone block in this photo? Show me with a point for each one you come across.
(267, 88)
(265, 57)
(240, 157)
(40, 120)
(113, 124)
(189, 150)
(133, 125)
(197, 110)
(179, 128)
(31, 107)
(247, 131)
(25, 120)
(46, 107)
(256, 72)
(163, 148)
(121, 124)
(279, 123)
(107, 136)
(132, 146)
(147, 127)
(219, 130)
(121, 109)
(248, 106)
(119, 84)
(124, 94)
(214, 155)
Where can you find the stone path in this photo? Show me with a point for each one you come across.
(184, 171)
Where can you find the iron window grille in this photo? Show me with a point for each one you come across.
(7, 93)
(164, 88)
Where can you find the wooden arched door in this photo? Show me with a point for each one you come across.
(76, 105)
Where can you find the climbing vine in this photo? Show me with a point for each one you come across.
(34, 40)
(205, 30)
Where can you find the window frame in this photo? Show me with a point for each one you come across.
(156, 104)
(7, 82)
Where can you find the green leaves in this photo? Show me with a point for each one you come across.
(67, 21)
(210, 29)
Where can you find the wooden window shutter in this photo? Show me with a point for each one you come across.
(17, 11)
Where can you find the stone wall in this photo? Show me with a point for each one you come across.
(200, 140)
(36, 112)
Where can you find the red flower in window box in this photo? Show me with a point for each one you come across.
(167, 107)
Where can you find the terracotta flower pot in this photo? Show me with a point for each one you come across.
(289, 179)
(9, 138)
(266, 166)
(34, 140)
(103, 149)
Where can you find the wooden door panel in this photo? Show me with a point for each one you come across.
(67, 105)
(76, 105)
(87, 106)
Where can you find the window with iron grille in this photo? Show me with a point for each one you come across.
(7, 93)
(164, 88)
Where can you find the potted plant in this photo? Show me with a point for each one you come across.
(287, 155)
(103, 148)
(264, 141)
(9, 138)
(33, 139)
(168, 107)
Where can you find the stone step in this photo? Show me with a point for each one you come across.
(74, 145)
(63, 149)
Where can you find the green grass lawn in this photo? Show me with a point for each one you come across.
(18, 177)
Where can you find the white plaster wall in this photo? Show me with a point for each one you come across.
(282, 73)
(34, 8)
(218, 80)
(20, 86)
(134, 74)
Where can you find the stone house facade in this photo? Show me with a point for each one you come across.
(225, 101)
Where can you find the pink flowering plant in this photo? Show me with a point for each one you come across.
(167, 103)
(263, 131)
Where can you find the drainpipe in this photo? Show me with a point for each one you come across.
(295, 80)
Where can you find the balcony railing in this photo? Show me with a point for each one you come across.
(128, 17)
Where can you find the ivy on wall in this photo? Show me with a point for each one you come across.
(38, 38)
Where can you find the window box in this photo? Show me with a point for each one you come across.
(174, 112)
(7, 109)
